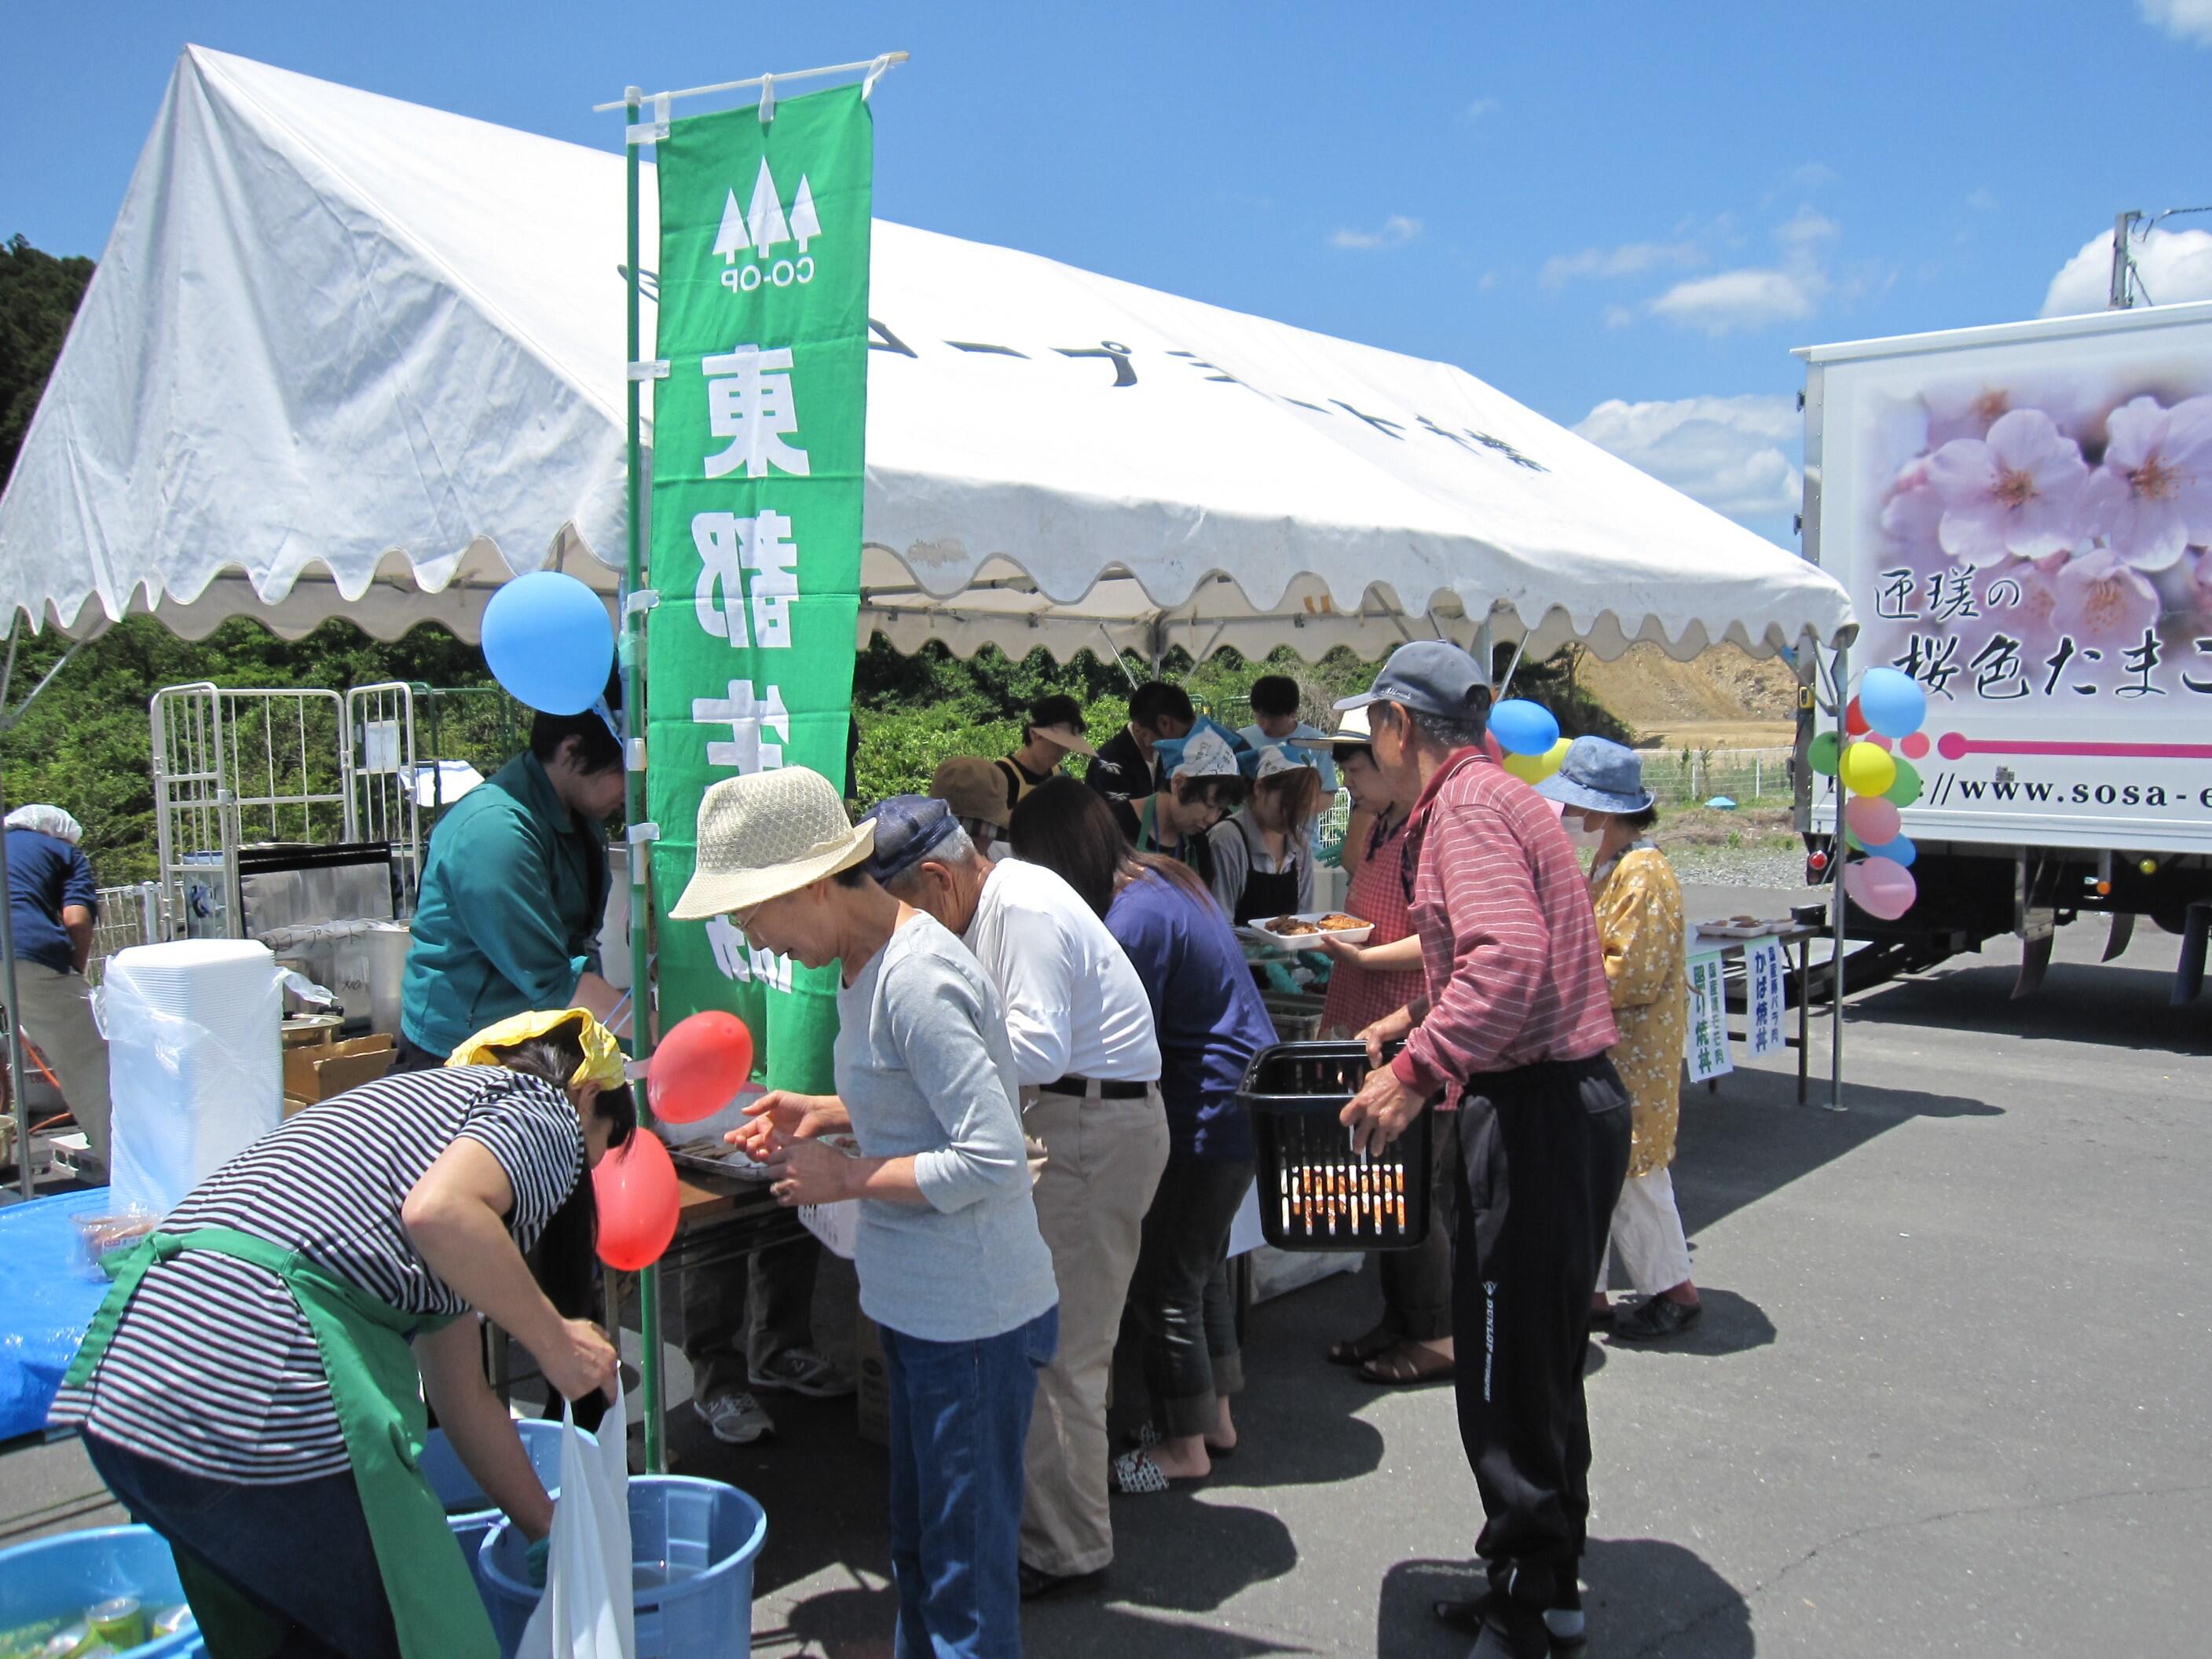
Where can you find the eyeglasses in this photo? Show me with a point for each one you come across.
(742, 920)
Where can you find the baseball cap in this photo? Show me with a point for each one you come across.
(1430, 676)
(973, 788)
(908, 828)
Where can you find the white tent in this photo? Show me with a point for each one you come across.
(347, 354)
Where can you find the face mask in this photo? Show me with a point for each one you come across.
(1580, 831)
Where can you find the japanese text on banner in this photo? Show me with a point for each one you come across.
(757, 468)
(1707, 1049)
(1766, 996)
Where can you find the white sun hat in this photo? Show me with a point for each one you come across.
(766, 835)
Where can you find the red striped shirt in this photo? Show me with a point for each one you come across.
(1510, 951)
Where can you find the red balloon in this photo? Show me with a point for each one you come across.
(636, 1187)
(1854, 722)
(699, 1067)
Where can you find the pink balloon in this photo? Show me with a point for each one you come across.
(1882, 888)
(1874, 820)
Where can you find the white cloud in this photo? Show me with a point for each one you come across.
(1805, 229)
(1731, 453)
(2170, 266)
(1397, 231)
(1480, 108)
(1630, 259)
(1982, 200)
(1732, 299)
(1813, 174)
(2184, 20)
(1618, 316)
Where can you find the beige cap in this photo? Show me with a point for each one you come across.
(973, 787)
(1067, 737)
(766, 835)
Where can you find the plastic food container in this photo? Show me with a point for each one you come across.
(1315, 1193)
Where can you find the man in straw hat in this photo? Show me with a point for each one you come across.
(950, 1263)
(1512, 1029)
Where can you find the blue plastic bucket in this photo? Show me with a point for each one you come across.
(442, 1467)
(692, 1544)
(60, 1577)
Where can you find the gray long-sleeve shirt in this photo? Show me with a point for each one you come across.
(924, 1065)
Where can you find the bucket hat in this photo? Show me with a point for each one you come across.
(1599, 776)
(766, 835)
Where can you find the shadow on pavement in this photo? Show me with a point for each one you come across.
(1645, 1598)
(2093, 1003)
(1752, 1138)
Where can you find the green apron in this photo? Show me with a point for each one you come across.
(378, 1395)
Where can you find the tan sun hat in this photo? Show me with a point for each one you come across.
(1067, 737)
(1351, 727)
(973, 787)
(766, 835)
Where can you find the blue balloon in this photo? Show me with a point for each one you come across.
(1900, 851)
(548, 641)
(1893, 703)
(1522, 727)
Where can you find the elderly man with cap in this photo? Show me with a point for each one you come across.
(1512, 1029)
(1089, 1065)
(951, 1264)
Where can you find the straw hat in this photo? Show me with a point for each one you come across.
(766, 835)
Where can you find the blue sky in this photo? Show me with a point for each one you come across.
(1623, 216)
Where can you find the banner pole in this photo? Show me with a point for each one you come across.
(1839, 852)
(641, 912)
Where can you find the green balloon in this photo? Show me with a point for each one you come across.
(1907, 789)
(1821, 753)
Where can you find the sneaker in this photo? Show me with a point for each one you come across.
(1658, 1318)
(802, 1371)
(735, 1419)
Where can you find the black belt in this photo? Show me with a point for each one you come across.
(1080, 1087)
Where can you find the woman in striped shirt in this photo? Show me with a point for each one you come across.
(254, 1387)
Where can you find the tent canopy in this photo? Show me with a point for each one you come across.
(347, 355)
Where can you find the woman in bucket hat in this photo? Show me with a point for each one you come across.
(950, 1263)
(1639, 919)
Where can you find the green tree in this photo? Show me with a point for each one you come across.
(39, 294)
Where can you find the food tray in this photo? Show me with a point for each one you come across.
(1315, 1193)
(1736, 927)
(1265, 933)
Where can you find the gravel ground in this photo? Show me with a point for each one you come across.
(1756, 865)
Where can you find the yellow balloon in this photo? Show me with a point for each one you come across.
(1529, 768)
(1867, 768)
(1556, 756)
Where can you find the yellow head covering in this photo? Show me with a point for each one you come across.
(603, 1060)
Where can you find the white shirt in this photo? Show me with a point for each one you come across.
(1074, 1006)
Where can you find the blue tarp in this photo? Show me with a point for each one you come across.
(47, 1298)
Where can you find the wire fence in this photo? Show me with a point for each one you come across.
(1692, 777)
(128, 916)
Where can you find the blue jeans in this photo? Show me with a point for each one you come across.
(960, 1413)
(298, 1553)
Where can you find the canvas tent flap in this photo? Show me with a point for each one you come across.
(345, 355)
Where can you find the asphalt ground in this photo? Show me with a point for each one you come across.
(1950, 1395)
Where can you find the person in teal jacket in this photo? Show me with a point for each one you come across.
(514, 893)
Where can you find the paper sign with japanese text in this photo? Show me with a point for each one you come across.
(757, 477)
(1766, 996)
(1707, 1047)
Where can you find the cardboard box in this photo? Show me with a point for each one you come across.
(873, 1394)
(330, 1068)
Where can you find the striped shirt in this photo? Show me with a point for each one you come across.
(1513, 971)
(213, 1368)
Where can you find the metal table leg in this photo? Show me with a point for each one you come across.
(1804, 1015)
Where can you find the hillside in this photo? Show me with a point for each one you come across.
(1722, 699)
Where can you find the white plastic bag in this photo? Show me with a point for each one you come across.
(587, 1610)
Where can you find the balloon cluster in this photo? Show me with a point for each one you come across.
(1529, 735)
(702, 1065)
(549, 643)
(1889, 708)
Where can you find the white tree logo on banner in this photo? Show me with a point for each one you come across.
(762, 227)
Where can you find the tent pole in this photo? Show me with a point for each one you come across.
(1839, 849)
(641, 1000)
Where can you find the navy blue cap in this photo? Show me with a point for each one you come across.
(1430, 676)
(908, 828)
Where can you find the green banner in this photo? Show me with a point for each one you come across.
(757, 440)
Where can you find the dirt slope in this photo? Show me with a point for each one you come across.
(1722, 699)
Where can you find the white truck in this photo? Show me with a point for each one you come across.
(2022, 515)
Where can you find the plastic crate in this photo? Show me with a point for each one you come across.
(1315, 1193)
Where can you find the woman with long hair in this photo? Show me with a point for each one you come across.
(253, 1387)
(1210, 1022)
(1262, 859)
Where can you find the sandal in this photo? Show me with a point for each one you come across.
(1407, 1365)
(1135, 1475)
(1358, 1350)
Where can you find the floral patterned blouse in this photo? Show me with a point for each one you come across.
(1639, 921)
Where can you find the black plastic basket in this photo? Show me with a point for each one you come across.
(1315, 1193)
